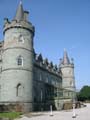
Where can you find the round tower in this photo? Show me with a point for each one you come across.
(68, 79)
(17, 70)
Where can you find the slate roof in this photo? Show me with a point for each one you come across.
(65, 58)
(19, 13)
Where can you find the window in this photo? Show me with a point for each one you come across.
(71, 83)
(20, 61)
(40, 77)
(19, 90)
(21, 39)
(41, 95)
(47, 79)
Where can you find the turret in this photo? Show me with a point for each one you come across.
(67, 70)
(17, 69)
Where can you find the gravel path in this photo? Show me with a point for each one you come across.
(81, 114)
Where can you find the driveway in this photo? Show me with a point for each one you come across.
(81, 114)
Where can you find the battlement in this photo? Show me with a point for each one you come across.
(45, 64)
(20, 24)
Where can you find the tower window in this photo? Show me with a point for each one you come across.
(19, 90)
(21, 39)
(71, 83)
(20, 61)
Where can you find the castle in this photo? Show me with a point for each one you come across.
(27, 81)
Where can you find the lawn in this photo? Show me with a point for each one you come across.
(10, 115)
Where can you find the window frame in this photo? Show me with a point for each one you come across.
(20, 60)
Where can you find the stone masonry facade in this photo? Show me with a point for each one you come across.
(28, 82)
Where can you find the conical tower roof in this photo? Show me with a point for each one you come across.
(20, 20)
(19, 13)
(65, 58)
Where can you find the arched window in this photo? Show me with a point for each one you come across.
(21, 39)
(19, 90)
(20, 60)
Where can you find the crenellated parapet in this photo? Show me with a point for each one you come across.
(15, 24)
(45, 64)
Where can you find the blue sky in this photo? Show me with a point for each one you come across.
(58, 24)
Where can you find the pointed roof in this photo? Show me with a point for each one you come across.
(20, 12)
(20, 20)
(65, 58)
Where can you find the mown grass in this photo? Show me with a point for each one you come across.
(10, 115)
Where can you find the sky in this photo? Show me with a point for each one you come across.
(58, 24)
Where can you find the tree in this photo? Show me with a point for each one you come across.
(84, 93)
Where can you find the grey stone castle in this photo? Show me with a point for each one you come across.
(27, 81)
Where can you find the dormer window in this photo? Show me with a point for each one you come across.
(21, 39)
(20, 61)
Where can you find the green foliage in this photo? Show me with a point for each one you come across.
(84, 94)
(11, 115)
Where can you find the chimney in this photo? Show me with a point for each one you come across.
(26, 13)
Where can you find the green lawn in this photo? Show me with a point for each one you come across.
(11, 115)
